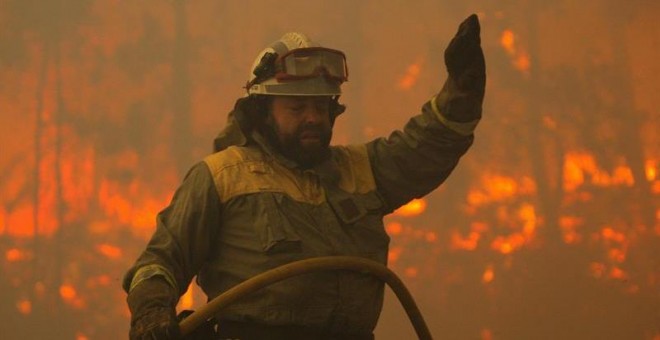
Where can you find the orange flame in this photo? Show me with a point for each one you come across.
(411, 272)
(497, 188)
(410, 78)
(522, 62)
(618, 273)
(394, 228)
(458, 242)
(651, 171)
(393, 254)
(119, 202)
(507, 244)
(71, 297)
(616, 255)
(109, 251)
(611, 235)
(597, 269)
(24, 306)
(75, 185)
(15, 255)
(488, 275)
(486, 334)
(508, 41)
(412, 208)
(527, 215)
(465, 243)
(579, 165)
(40, 289)
(568, 225)
(3, 220)
(187, 300)
(67, 292)
(96, 281)
(519, 58)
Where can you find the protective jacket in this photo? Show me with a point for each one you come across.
(246, 209)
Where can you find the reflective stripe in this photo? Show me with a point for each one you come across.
(150, 271)
(464, 129)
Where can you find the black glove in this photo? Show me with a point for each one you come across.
(463, 93)
(153, 310)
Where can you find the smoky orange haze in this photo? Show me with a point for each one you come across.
(548, 228)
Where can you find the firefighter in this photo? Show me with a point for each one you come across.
(275, 191)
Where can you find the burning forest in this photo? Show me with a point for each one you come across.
(548, 229)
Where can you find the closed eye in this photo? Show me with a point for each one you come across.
(297, 108)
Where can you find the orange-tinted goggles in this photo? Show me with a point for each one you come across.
(303, 63)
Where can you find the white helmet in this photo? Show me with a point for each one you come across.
(295, 65)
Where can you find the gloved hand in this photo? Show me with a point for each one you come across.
(463, 93)
(153, 310)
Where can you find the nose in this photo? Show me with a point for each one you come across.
(313, 115)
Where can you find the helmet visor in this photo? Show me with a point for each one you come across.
(311, 62)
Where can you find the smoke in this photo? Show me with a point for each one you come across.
(548, 228)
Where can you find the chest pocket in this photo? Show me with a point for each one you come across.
(275, 231)
(362, 218)
(352, 208)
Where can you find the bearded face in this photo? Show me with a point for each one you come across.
(300, 128)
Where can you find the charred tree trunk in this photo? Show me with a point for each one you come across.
(181, 91)
(59, 200)
(547, 172)
(632, 146)
(545, 285)
(38, 134)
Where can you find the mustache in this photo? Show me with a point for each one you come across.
(313, 128)
(319, 128)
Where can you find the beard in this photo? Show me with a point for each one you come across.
(291, 145)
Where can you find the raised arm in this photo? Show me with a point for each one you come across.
(413, 162)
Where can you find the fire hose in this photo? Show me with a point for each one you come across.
(296, 268)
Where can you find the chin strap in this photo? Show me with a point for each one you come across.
(336, 109)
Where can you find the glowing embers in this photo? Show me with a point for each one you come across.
(519, 56)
